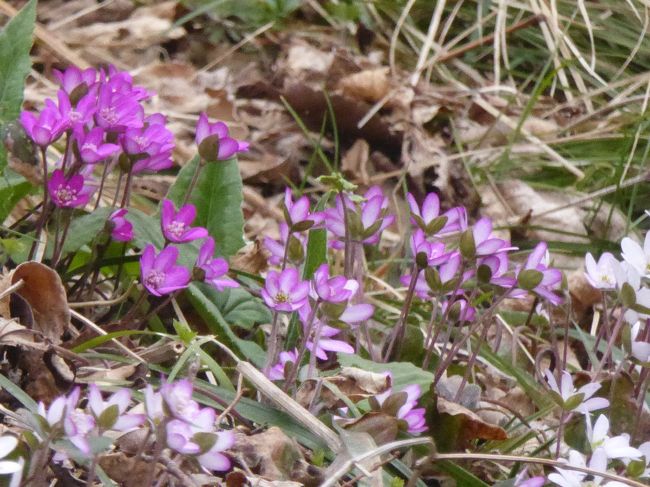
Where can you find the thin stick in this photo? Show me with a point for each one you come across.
(13, 288)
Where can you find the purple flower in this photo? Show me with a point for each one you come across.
(78, 426)
(54, 414)
(214, 141)
(284, 291)
(81, 114)
(297, 212)
(159, 273)
(183, 438)
(498, 266)
(215, 270)
(460, 311)
(45, 129)
(92, 148)
(176, 226)
(116, 111)
(153, 139)
(110, 414)
(325, 342)
(366, 222)
(68, 193)
(121, 228)
(276, 247)
(178, 399)
(333, 289)
(601, 274)
(154, 163)
(486, 243)
(277, 371)
(532, 482)
(413, 416)
(356, 313)
(429, 220)
(551, 278)
(73, 77)
(434, 251)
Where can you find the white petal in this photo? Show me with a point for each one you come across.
(7, 445)
(7, 466)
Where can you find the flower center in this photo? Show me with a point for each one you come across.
(74, 116)
(141, 142)
(65, 194)
(108, 114)
(281, 297)
(176, 228)
(155, 279)
(89, 146)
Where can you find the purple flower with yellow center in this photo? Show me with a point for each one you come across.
(277, 371)
(73, 77)
(68, 193)
(176, 226)
(215, 271)
(110, 414)
(159, 274)
(413, 416)
(284, 291)
(47, 127)
(121, 228)
(333, 289)
(91, 145)
(214, 141)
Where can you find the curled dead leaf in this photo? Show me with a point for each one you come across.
(356, 384)
(381, 426)
(44, 292)
(469, 425)
(370, 85)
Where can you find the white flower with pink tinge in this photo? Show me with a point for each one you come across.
(567, 391)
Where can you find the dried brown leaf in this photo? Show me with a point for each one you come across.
(471, 426)
(356, 384)
(44, 292)
(370, 85)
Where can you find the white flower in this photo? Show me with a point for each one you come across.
(574, 478)
(645, 449)
(642, 298)
(601, 274)
(7, 445)
(638, 257)
(640, 349)
(614, 447)
(567, 391)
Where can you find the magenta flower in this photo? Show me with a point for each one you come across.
(80, 114)
(176, 226)
(333, 289)
(110, 414)
(284, 291)
(68, 193)
(551, 278)
(121, 228)
(277, 371)
(154, 163)
(461, 310)
(159, 273)
(325, 342)
(47, 127)
(73, 77)
(356, 313)
(214, 141)
(153, 139)
(92, 148)
(215, 270)
(413, 416)
(117, 112)
(498, 266)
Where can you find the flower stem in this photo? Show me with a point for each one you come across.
(44, 206)
(273, 349)
(195, 178)
(58, 246)
(302, 348)
(398, 331)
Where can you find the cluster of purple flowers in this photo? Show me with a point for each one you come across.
(188, 429)
(160, 274)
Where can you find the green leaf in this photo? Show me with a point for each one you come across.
(239, 307)
(204, 298)
(146, 229)
(13, 188)
(316, 245)
(404, 373)
(85, 228)
(460, 475)
(218, 198)
(18, 393)
(15, 44)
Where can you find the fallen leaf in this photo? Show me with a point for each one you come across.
(253, 258)
(370, 85)
(44, 292)
(303, 57)
(381, 426)
(354, 162)
(275, 456)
